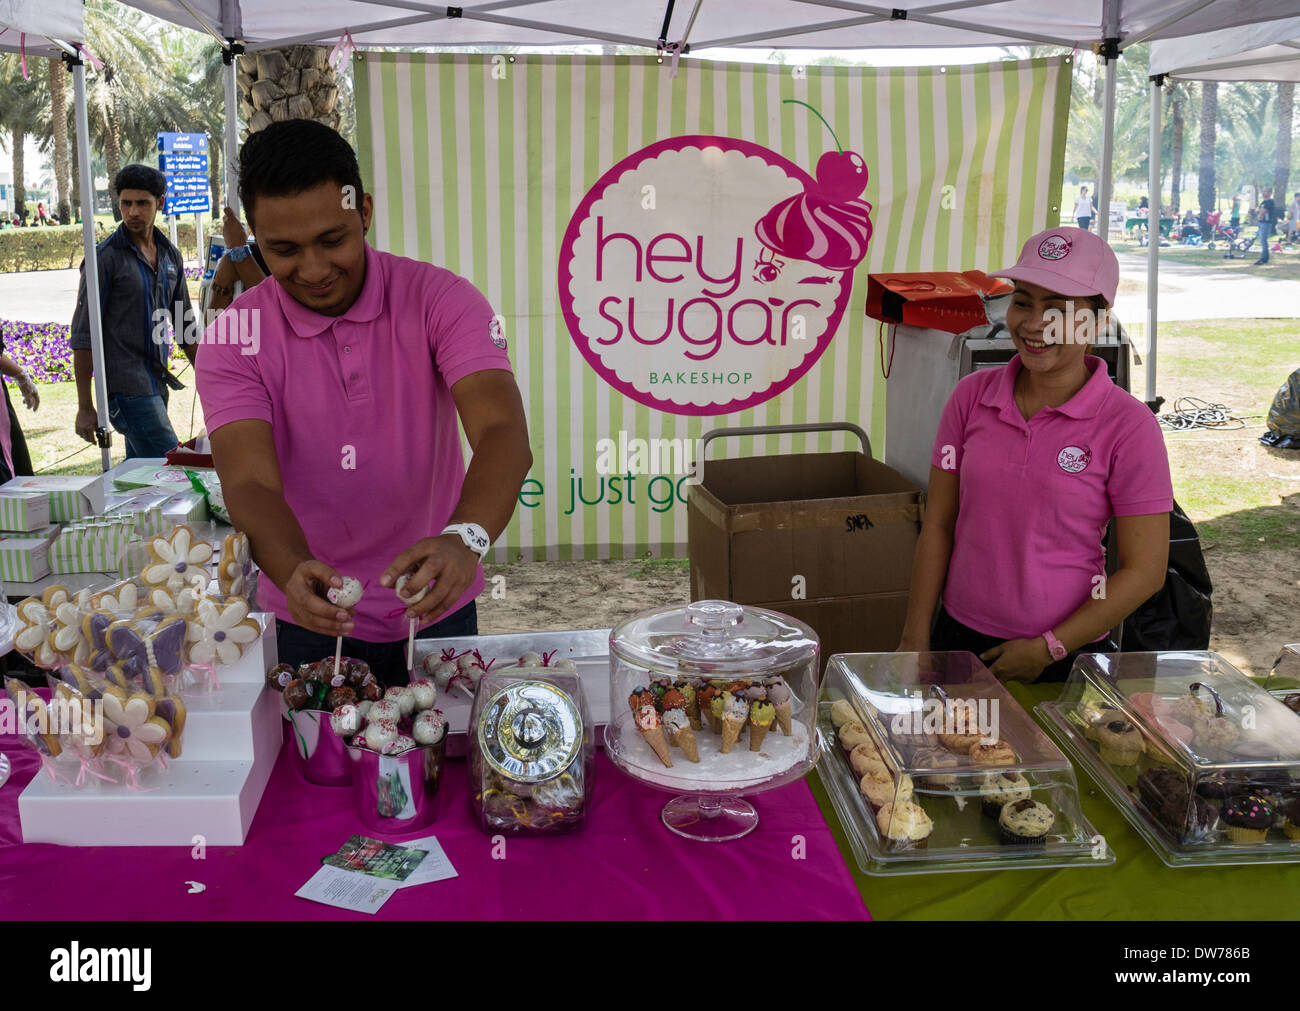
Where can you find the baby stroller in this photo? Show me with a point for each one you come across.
(1219, 232)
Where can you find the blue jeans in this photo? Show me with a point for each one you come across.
(1265, 232)
(387, 660)
(144, 423)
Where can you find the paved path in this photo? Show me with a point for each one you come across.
(39, 296)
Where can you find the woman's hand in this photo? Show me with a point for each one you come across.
(1018, 659)
(232, 231)
(912, 643)
(31, 398)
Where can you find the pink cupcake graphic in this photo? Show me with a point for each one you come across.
(827, 224)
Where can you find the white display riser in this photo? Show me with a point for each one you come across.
(231, 741)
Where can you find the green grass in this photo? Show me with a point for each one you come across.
(1282, 266)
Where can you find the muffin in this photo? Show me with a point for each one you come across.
(1121, 742)
(1214, 736)
(1291, 817)
(1193, 820)
(861, 756)
(936, 758)
(841, 713)
(998, 753)
(853, 734)
(880, 788)
(1188, 709)
(1247, 817)
(905, 824)
(1156, 787)
(1025, 823)
(1000, 790)
(1094, 719)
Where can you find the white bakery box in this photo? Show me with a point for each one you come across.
(231, 743)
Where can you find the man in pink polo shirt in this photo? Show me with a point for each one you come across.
(1030, 464)
(331, 394)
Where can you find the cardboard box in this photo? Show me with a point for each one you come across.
(71, 498)
(866, 623)
(24, 510)
(24, 557)
(845, 523)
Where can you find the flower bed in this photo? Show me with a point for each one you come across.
(43, 349)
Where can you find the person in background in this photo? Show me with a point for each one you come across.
(42, 215)
(1266, 218)
(241, 263)
(141, 288)
(17, 461)
(1235, 218)
(1084, 209)
(1031, 462)
(1293, 218)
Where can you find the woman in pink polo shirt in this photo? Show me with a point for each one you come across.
(1030, 464)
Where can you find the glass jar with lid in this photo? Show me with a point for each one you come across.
(712, 701)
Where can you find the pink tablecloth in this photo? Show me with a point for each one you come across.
(624, 865)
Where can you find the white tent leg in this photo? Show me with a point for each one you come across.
(231, 141)
(1107, 154)
(92, 267)
(1153, 235)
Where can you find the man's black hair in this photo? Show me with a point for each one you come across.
(293, 156)
(140, 177)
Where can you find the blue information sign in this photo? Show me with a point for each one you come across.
(186, 183)
(182, 141)
(190, 204)
(183, 162)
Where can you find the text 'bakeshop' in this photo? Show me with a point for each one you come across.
(75, 964)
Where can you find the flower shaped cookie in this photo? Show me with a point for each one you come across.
(236, 567)
(222, 631)
(130, 727)
(37, 615)
(124, 598)
(183, 602)
(78, 732)
(178, 561)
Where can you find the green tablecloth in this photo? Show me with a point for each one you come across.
(1138, 886)
(1137, 220)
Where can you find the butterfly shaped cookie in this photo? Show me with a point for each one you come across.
(148, 650)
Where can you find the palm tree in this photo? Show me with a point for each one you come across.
(22, 106)
(292, 83)
(1248, 120)
(1209, 127)
(59, 123)
(1285, 115)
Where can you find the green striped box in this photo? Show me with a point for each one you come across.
(94, 546)
(146, 510)
(24, 510)
(71, 497)
(24, 557)
(185, 507)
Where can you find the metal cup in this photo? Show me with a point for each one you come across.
(397, 793)
(320, 756)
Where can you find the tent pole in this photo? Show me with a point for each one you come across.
(1153, 236)
(1107, 152)
(91, 268)
(230, 140)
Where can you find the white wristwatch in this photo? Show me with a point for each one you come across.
(474, 536)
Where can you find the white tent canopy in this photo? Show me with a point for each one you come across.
(1263, 52)
(54, 28)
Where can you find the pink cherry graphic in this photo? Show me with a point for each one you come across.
(841, 175)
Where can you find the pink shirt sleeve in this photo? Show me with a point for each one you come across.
(1139, 483)
(465, 335)
(949, 439)
(229, 382)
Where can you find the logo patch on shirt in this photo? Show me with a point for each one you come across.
(497, 333)
(1072, 459)
(1054, 247)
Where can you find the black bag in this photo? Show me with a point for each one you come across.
(1284, 416)
(1179, 615)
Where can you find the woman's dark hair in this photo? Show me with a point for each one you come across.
(293, 156)
(140, 177)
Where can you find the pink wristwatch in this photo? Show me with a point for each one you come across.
(1055, 646)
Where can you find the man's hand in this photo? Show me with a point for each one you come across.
(445, 560)
(31, 398)
(305, 593)
(87, 422)
(231, 230)
(1019, 659)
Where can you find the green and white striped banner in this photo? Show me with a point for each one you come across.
(480, 164)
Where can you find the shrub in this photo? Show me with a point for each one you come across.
(60, 247)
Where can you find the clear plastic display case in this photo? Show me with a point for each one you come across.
(712, 702)
(1202, 761)
(934, 767)
(532, 752)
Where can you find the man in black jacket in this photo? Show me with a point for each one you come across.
(1266, 219)
(141, 289)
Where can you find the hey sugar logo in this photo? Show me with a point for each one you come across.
(497, 333)
(1072, 459)
(728, 286)
(1054, 247)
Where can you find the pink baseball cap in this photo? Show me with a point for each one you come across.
(1067, 261)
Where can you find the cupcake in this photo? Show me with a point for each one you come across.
(1214, 736)
(853, 734)
(1193, 820)
(1000, 790)
(1095, 719)
(998, 753)
(1188, 709)
(863, 756)
(1158, 787)
(880, 788)
(961, 726)
(936, 758)
(1292, 702)
(1291, 817)
(1025, 823)
(1121, 742)
(905, 824)
(1248, 817)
